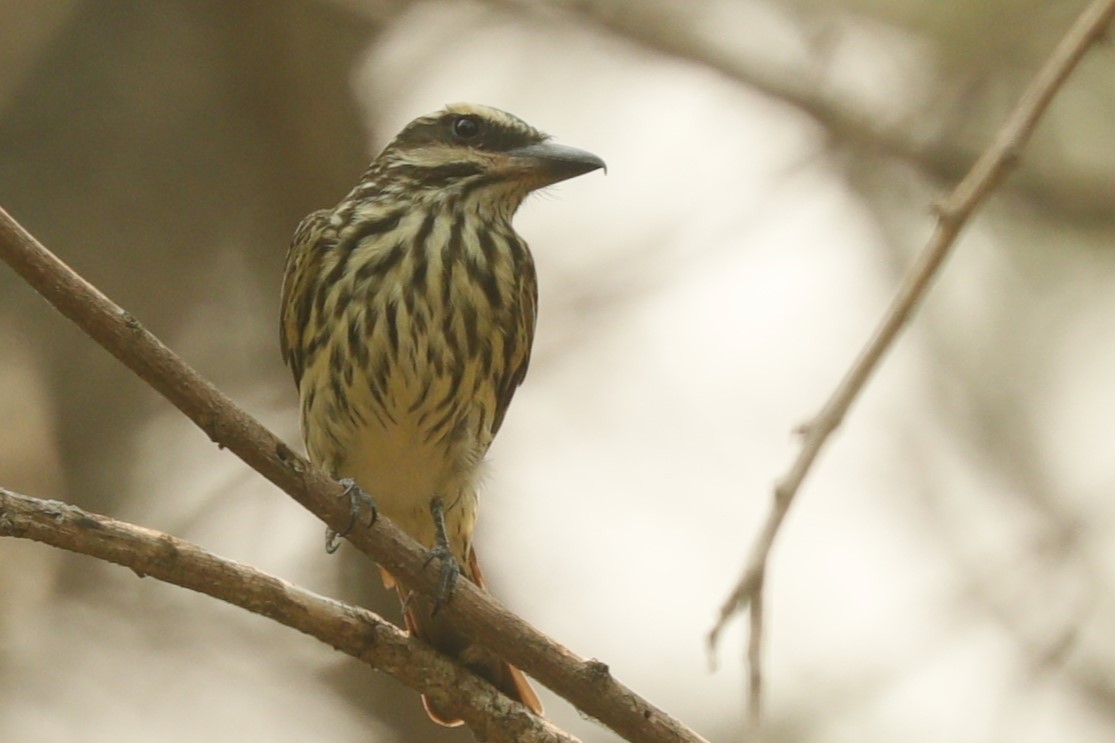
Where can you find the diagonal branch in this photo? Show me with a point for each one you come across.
(953, 213)
(350, 629)
(587, 684)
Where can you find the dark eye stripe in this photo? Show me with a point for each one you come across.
(494, 136)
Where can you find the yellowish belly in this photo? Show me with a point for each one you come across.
(419, 438)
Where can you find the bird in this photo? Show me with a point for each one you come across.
(407, 317)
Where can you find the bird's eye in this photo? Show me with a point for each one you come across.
(466, 128)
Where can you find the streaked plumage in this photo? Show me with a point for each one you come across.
(408, 313)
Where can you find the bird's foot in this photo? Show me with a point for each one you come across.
(450, 570)
(447, 579)
(359, 502)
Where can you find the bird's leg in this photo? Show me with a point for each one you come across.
(358, 500)
(449, 568)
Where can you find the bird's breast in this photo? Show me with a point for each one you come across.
(404, 381)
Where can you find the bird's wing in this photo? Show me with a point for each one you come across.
(515, 370)
(296, 302)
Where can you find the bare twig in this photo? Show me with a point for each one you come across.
(350, 629)
(755, 669)
(953, 212)
(585, 683)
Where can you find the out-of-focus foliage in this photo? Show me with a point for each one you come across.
(947, 573)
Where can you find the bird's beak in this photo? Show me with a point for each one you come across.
(549, 162)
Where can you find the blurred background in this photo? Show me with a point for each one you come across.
(947, 572)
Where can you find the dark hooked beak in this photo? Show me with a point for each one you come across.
(551, 162)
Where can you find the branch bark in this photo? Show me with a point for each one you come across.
(587, 684)
(953, 213)
(350, 629)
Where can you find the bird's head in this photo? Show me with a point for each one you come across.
(469, 152)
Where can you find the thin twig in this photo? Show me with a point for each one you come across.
(585, 683)
(350, 629)
(755, 670)
(953, 213)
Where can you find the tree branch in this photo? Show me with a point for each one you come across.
(587, 684)
(350, 629)
(953, 213)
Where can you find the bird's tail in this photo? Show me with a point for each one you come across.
(435, 630)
